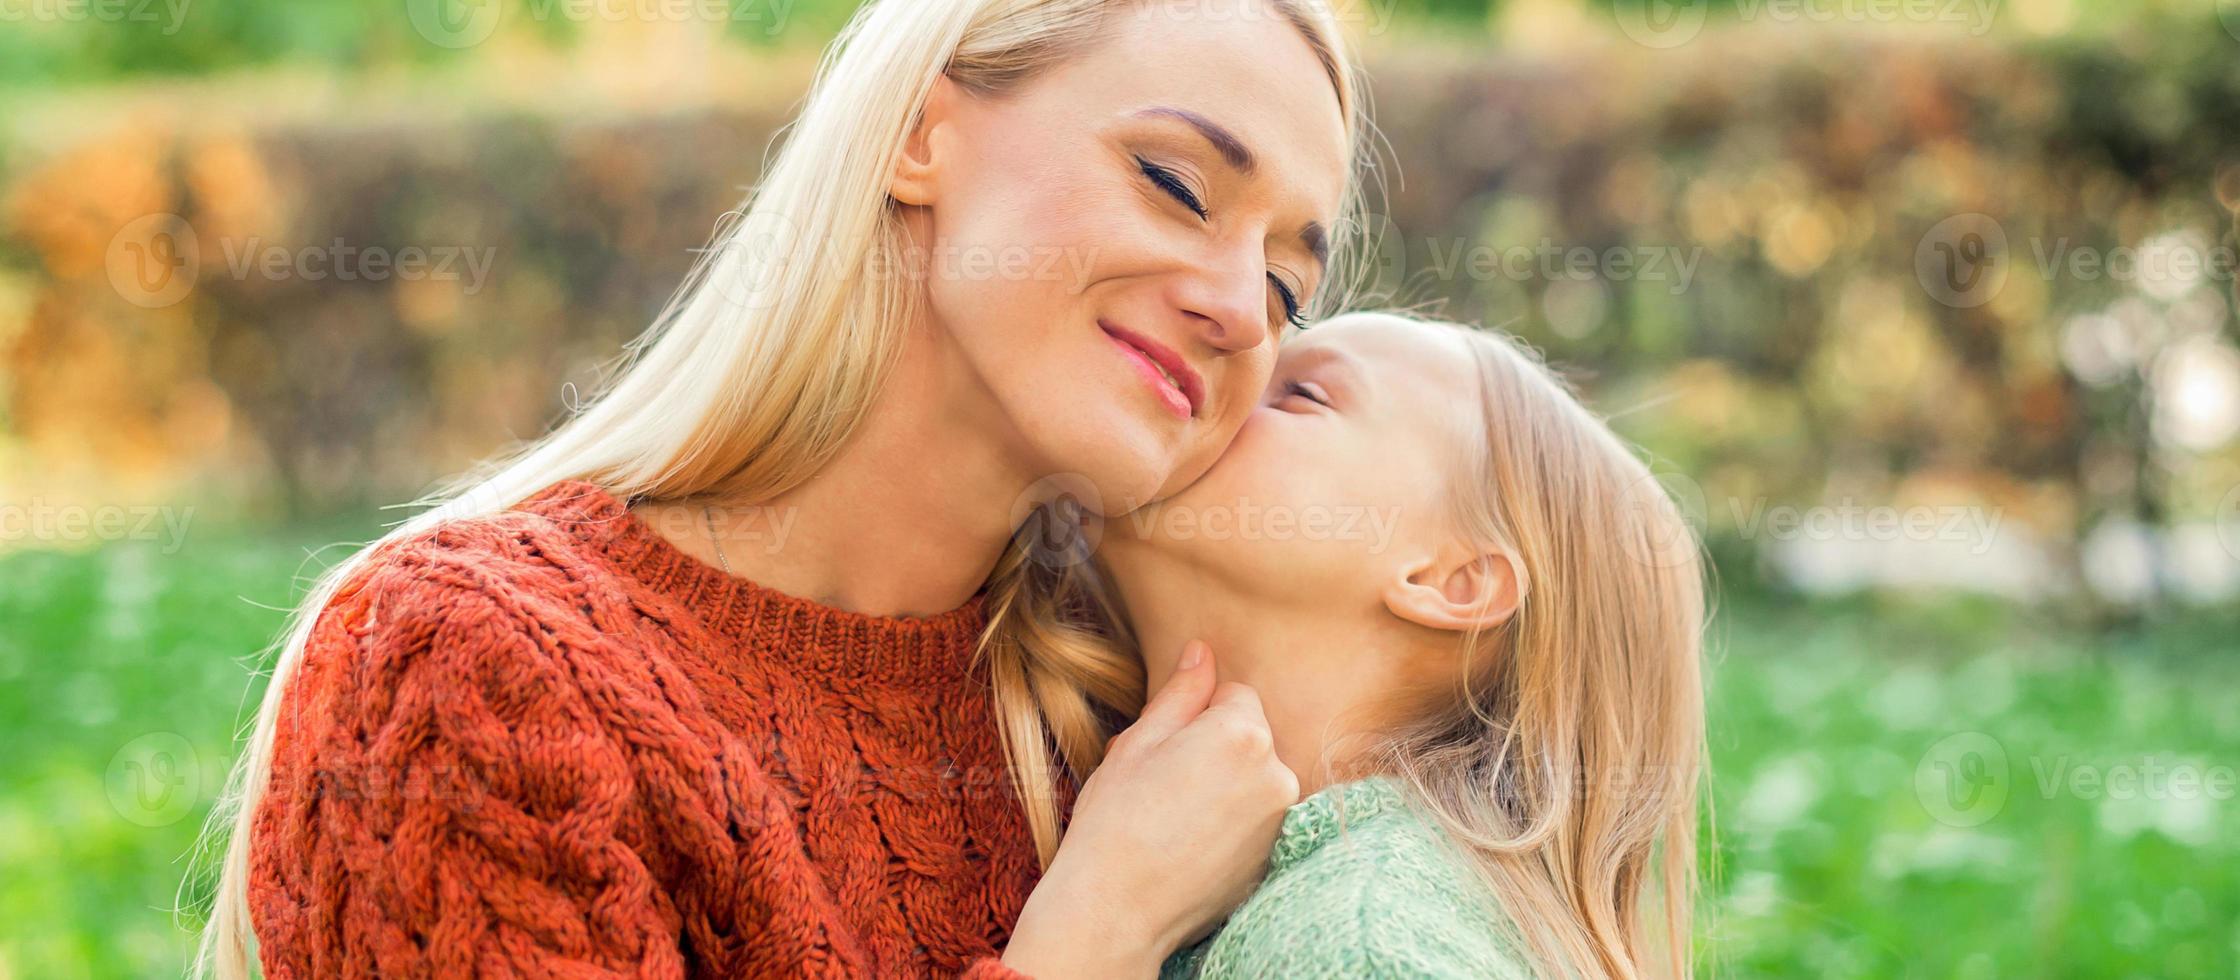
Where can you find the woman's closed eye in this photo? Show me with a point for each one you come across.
(1172, 183)
(1175, 187)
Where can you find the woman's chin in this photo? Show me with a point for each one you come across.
(1114, 469)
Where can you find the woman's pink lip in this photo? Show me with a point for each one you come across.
(1153, 356)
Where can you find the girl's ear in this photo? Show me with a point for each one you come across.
(917, 170)
(1458, 589)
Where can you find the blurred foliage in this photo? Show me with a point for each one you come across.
(154, 38)
(1784, 349)
(80, 41)
(1808, 359)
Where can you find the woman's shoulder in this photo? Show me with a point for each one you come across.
(1363, 883)
(484, 643)
(536, 562)
(526, 543)
(489, 601)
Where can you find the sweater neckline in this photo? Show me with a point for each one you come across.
(1330, 811)
(802, 633)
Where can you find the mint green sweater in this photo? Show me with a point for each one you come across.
(1361, 884)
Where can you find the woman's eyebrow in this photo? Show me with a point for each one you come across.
(1241, 159)
(1232, 149)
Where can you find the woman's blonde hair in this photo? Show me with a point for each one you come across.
(763, 363)
(1567, 761)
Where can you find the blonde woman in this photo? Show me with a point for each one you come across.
(1473, 618)
(748, 669)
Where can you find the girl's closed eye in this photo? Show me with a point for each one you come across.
(1307, 390)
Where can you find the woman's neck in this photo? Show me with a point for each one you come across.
(911, 514)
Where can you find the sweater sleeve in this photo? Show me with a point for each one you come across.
(445, 800)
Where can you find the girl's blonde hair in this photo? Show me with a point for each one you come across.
(1567, 761)
(762, 365)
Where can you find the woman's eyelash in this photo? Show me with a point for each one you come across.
(1291, 311)
(1172, 184)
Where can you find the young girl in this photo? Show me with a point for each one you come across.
(1472, 618)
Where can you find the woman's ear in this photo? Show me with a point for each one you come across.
(1458, 589)
(917, 171)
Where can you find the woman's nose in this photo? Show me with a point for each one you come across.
(1228, 300)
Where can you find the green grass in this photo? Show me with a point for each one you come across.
(1844, 848)
(1831, 859)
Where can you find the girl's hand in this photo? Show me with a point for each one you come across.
(1168, 836)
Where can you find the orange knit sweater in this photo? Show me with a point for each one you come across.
(549, 744)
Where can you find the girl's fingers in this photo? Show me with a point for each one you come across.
(1238, 697)
(1182, 697)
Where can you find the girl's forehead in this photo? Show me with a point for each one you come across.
(1425, 354)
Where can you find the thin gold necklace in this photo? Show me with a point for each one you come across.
(713, 541)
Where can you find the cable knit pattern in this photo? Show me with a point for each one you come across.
(1360, 885)
(547, 743)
